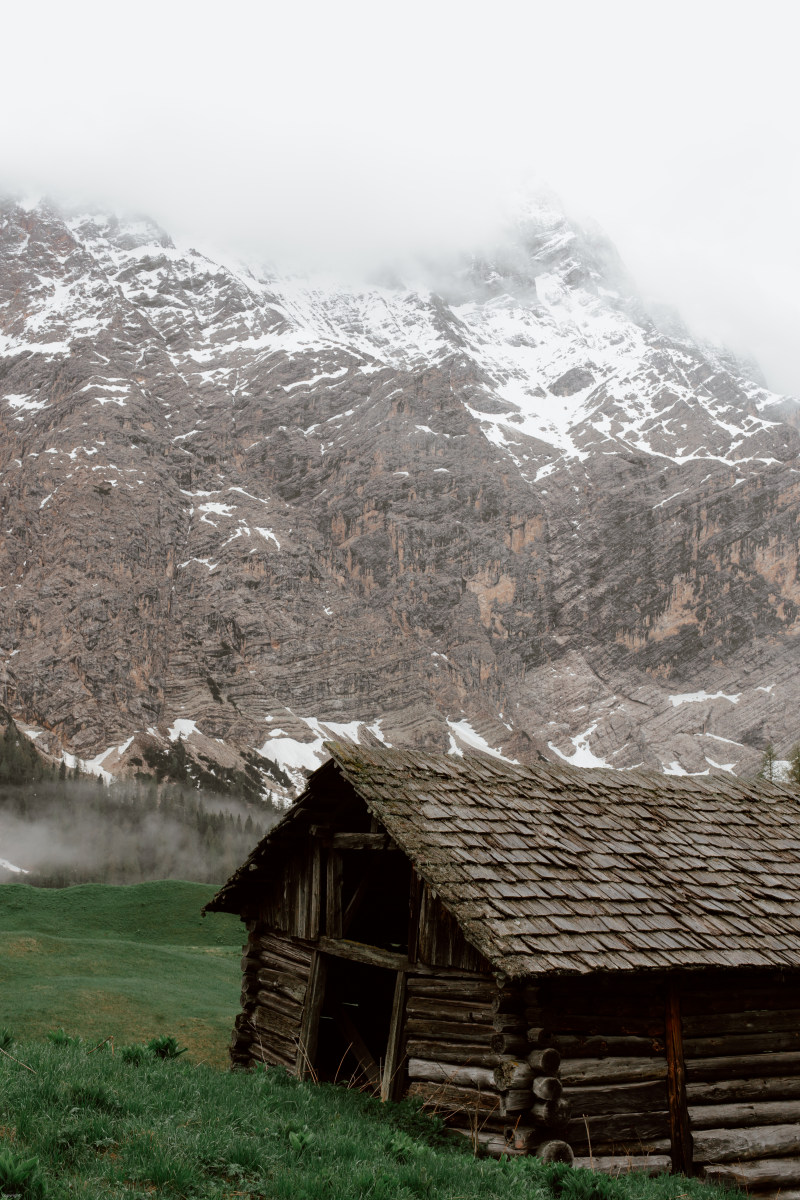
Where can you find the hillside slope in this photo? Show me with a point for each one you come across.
(121, 962)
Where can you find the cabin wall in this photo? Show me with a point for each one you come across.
(276, 971)
(695, 1072)
(289, 902)
(741, 1043)
(440, 942)
(612, 1040)
(469, 1059)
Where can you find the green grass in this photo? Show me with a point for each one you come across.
(103, 1127)
(106, 1119)
(121, 962)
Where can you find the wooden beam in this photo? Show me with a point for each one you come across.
(680, 1132)
(357, 1044)
(361, 841)
(312, 1009)
(390, 1083)
(360, 952)
(333, 895)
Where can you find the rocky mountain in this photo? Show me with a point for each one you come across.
(509, 508)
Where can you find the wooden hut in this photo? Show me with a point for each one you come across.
(591, 963)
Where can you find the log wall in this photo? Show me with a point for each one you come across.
(611, 1038)
(275, 975)
(469, 1060)
(742, 1053)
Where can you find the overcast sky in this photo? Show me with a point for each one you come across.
(347, 133)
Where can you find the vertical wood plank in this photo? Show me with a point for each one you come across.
(414, 899)
(391, 1081)
(680, 1132)
(312, 1010)
(333, 897)
(314, 916)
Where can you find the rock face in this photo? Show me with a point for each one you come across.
(509, 510)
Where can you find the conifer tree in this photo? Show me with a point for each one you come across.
(767, 768)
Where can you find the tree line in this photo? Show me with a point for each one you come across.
(64, 828)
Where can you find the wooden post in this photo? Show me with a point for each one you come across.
(680, 1132)
(309, 1029)
(333, 907)
(394, 1045)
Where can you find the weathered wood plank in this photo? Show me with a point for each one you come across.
(513, 1073)
(515, 1100)
(547, 1087)
(271, 1055)
(782, 1087)
(393, 1065)
(270, 1020)
(650, 1096)
(312, 1009)
(333, 895)
(284, 948)
(735, 1116)
(360, 952)
(510, 1043)
(739, 1066)
(605, 1025)
(448, 1098)
(755, 1176)
(315, 897)
(452, 1031)
(764, 1020)
(626, 1164)
(452, 1073)
(362, 841)
(554, 1114)
(733, 1044)
(282, 983)
(470, 989)
(575, 1072)
(680, 1131)
(469, 1053)
(496, 1145)
(289, 1009)
(733, 1145)
(449, 1010)
(572, 1046)
(618, 1127)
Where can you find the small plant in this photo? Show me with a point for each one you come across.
(6, 1039)
(20, 1176)
(299, 1138)
(59, 1038)
(166, 1046)
(402, 1147)
(135, 1054)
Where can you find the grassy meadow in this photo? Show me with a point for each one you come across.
(81, 1116)
(122, 962)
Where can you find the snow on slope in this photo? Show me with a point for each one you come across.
(568, 362)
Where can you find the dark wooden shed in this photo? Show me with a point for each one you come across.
(605, 959)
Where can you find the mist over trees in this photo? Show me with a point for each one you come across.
(79, 831)
(65, 828)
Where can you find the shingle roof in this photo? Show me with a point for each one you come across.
(552, 868)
